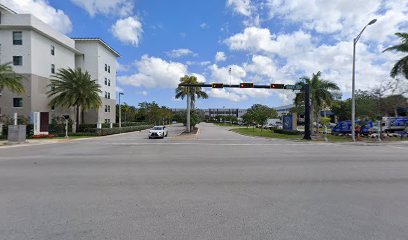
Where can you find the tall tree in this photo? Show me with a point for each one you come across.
(322, 94)
(9, 79)
(261, 113)
(401, 66)
(74, 88)
(195, 92)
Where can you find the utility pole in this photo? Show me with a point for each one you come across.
(353, 84)
(307, 135)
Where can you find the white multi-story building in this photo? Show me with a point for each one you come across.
(37, 51)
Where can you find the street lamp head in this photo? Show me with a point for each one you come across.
(121, 93)
(372, 22)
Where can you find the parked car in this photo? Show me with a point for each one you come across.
(158, 132)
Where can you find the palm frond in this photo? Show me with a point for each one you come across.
(10, 80)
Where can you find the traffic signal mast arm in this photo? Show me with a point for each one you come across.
(244, 85)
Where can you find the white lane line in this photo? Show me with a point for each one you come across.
(209, 144)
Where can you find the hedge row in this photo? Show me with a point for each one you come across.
(86, 127)
(89, 131)
(287, 132)
(110, 131)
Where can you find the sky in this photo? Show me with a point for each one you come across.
(262, 41)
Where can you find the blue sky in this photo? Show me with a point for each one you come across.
(262, 41)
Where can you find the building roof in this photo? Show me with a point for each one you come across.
(101, 42)
(7, 9)
(284, 108)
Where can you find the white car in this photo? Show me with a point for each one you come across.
(158, 132)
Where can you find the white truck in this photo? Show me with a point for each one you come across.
(273, 123)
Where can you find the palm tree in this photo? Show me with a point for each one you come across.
(10, 80)
(74, 88)
(321, 95)
(401, 66)
(195, 92)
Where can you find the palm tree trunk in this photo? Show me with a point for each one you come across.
(311, 115)
(77, 118)
(82, 116)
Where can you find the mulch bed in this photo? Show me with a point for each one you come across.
(193, 132)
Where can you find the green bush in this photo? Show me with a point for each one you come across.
(80, 134)
(287, 132)
(85, 127)
(110, 131)
(131, 124)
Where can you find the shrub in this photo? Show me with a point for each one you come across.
(43, 136)
(110, 131)
(287, 132)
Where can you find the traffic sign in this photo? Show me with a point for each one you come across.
(293, 87)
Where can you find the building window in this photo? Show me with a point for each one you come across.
(107, 120)
(108, 82)
(106, 108)
(17, 102)
(106, 95)
(52, 68)
(17, 38)
(53, 108)
(17, 60)
(106, 67)
(52, 50)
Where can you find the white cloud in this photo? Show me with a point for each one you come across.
(144, 93)
(128, 30)
(254, 39)
(119, 89)
(121, 8)
(222, 74)
(153, 72)
(343, 17)
(177, 53)
(262, 65)
(242, 7)
(121, 68)
(223, 94)
(220, 57)
(56, 18)
(204, 25)
(200, 78)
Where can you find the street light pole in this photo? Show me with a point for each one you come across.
(120, 111)
(353, 85)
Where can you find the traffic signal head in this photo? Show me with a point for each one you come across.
(246, 85)
(217, 85)
(277, 86)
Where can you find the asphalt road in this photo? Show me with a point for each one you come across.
(218, 185)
